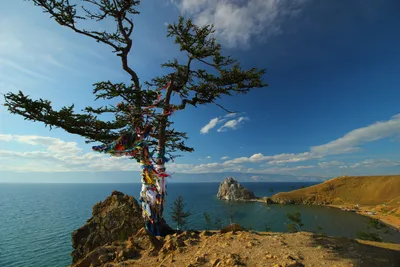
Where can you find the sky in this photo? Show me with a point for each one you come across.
(331, 107)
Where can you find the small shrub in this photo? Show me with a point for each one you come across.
(369, 236)
(207, 218)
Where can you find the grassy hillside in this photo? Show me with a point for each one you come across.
(377, 196)
(363, 190)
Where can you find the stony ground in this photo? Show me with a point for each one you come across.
(243, 248)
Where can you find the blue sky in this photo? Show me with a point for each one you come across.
(331, 108)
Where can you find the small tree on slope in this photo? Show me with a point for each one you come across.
(178, 215)
(141, 128)
(296, 223)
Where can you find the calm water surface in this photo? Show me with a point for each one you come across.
(37, 219)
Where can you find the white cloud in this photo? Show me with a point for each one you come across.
(6, 137)
(289, 169)
(54, 145)
(231, 115)
(56, 155)
(328, 164)
(237, 22)
(208, 157)
(232, 124)
(376, 163)
(349, 143)
(206, 128)
(53, 154)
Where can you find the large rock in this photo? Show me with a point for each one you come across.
(230, 189)
(117, 218)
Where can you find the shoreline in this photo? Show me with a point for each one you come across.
(383, 218)
(378, 216)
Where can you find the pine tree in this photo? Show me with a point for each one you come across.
(296, 223)
(178, 215)
(207, 218)
(141, 128)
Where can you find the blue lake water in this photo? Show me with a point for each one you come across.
(37, 219)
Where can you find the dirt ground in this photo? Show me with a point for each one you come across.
(258, 249)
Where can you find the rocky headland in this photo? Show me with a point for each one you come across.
(115, 236)
(118, 217)
(374, 196)
(230, 189)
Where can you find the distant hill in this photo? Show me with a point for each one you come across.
(377, 196)
(363, 190)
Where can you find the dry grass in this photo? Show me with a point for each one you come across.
(363, 190)
(380, 194)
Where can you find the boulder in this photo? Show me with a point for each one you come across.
(230, 189)
(232, 228)
(117, 218)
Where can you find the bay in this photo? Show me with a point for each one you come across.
(37, 220)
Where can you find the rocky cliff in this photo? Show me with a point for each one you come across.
(230, 189)
(118, 217)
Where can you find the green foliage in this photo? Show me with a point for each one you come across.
(207, 218)
(320, 230)
(296, 222)
(376, 224)
(218, 223)
(292, 228)
(178, 215)
(377, 227)
(369, 236)
(203, 77)
(267, 228)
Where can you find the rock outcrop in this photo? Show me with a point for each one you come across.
(117, 218)
(230, 189)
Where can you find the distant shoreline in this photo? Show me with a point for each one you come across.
(378, 216)
(379, 195)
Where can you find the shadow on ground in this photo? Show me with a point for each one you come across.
(362, 255)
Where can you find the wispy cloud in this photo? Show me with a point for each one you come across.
(5, 63)
(206, 128)
(237, 22)
(349, 143)
(38, 52)
(232, 124)
(376, 163)
(287, 170)
(328, 164)
(229, 123)
(54, 154)
(50, 154)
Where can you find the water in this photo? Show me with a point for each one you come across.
(37, 220)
